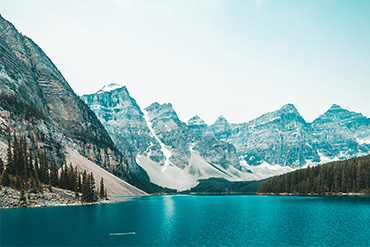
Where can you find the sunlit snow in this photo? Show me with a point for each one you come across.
(110, 87)
(363, 141)
(325, 159)
(165, 150)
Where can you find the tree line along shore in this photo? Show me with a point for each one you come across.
(32, 178)
(347, 177)
(32, 172)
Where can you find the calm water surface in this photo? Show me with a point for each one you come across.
(195, 221)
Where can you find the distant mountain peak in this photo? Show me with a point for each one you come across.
(335, 107)
(221, 119)
(157, 105)
(196, 120)
(110, 87)
(289, 107)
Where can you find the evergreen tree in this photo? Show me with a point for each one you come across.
(50, 186)
(79, 183)
(22, 197)
(18, 184)
(336, 177)
(9, 165)
(359, 178)
(5, 180)
(1, 166)
(102, 190)
(84, 187)
(92, 190)
(33, 185)
(54, 174)
(27, 170)
(30, 170)
(344, 183)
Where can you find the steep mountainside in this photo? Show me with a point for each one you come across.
(284, 138)
(177, 154)
(281, 137)
(173, 154)
(341, 134)
(36, 101)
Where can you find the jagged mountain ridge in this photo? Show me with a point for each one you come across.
(274, 143)
(342, 133)
(36, 101)
(283, 137)
(173, 154)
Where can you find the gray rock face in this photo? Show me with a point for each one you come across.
(170, 131)
(124, 121)
(342, 133)
(283, 137)
(181, 139)
(37, 101)
(158, 133)
(128, 127)
(117, 104)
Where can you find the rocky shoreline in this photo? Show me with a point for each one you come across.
(11, 198)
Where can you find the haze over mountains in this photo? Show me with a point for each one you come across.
(277, 142)
(143, 145)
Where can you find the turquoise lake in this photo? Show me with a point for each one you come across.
(195, 221)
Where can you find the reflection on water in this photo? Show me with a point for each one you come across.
(168, 206)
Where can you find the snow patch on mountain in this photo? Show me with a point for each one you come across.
(363, 141)
(265, 170)
(172, 177)
(201, 169)
(183, 179)
(165, 150)
(325, 159)
(110, 87)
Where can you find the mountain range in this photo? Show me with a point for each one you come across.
(177, 155)
(151, 147)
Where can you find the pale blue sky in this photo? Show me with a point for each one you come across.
(237, 58)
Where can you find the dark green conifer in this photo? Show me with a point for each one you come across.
(102, 189)
(9, 165)
(1, 166)
(5, 180)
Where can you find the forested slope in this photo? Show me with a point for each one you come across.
(348, 176)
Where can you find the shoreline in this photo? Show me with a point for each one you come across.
(314, 194)
(49, 201)
(110, 200)
(10, 198)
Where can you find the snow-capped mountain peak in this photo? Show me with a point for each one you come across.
(110, 87)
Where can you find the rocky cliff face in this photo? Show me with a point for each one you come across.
(341, 134)
(177, 154)
(281, 137)
(124, 121)
(182, 139)
(284, 138)
(37, 101)
(174, 154)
